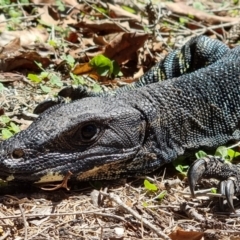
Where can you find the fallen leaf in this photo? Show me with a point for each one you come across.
(26, 37)
(183, 9)
(180, 234)
(101, 26)
(124, 45)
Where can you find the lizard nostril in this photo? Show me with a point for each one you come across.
(17, 153)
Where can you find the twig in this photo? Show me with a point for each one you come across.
(146, 223)
(230, 24)
(24, 222)
(50, 214)
(110, 216)
(4, 236)
(22, 18)
(106, 16)
(191, 212)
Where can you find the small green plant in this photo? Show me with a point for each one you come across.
(128, 9)
(199, 6)
(161, 195)
(181, 165)
(51, 78)
(9, 128)
(183, 20)
(150, 186)
(1, 87)
(69, 59)
(213, 190)
(77, 80)
(104, 66)
(225, 153)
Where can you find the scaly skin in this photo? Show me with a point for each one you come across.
(133, 132)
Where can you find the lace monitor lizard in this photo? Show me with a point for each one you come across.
(140, 127)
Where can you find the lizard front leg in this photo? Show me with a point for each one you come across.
(215, 167)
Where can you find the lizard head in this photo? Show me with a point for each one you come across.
(94, 138)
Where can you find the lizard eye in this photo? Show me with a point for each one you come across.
(17, 153)
(89, 132)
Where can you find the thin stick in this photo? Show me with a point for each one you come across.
(146, 223)
(24, 222)
(51, 214)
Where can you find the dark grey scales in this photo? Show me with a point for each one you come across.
(140, 127)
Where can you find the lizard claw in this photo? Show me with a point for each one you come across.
(195, 172)
(214, 167)
(227, 189)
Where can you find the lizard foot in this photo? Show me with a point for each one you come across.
(214, 167)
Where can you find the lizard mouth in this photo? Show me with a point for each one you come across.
(53, 168)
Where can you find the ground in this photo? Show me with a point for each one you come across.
(46, 46)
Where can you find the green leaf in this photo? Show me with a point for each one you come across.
(6, 133)
(102, 65)
(45, 89)
(128, 9)
(198, 5)
(14, 128)
(69, 59)
(183, 20)
(213, 190)
(44, 75)
(145, 204)
(101, 10)
(34, 78)
(162, 195)
(60, 5)
(232, 154)
(200, 154)
(13, 13)
(56, 80)
(53, 43)
(77, 80)
(97, 88)
(4, 119)
(39, 65)
(182, 169)
(222, 152)
(150, 186)
(116, 69)
(1, 87)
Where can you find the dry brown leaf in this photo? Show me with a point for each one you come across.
(72, 37)
(86, 68)
(27, 37)
(180, 234)
(82, 68)
(183, 9)
(24, 60)
(116, 11)
(105, 26)
(53, 13)
(99, 40)
(45, 17)
(124, 45)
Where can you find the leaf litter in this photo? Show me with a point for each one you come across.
(47, 45)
